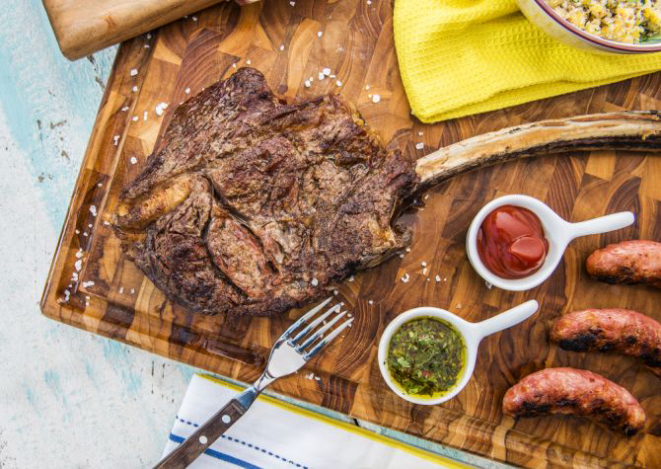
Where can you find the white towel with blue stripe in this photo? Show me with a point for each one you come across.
(276, 435)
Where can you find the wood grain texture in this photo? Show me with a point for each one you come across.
(356, 44)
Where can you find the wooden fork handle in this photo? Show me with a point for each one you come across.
(205, 436)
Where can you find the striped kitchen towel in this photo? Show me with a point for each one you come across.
(274, 434)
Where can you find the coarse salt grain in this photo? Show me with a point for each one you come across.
(438, 278)
(423, 263)
(419, 146)
(135, 89)
(424, 271)
(106, 222)
(367, 87)
(79, 254)
(115, 140)
(234, 65)
(420, 134)
(194, 18)
(408, 249)
(135, 118)
(326, 71)
(406, 278)
(78, 265)
(320, 33)
(308, 84)
(74, 276)
(133, 160)
(93, 210)
(351, 279)
(338, 83)
(321, 75)
(145, 116)
(401, 256)
(335, 292)
(148, 35)
(371, 302)
(314, 282)
(132, 291)
(134, 72)
(125, 108)
(77, 231)
(376, 98)
(292, 3)
(248, 61)
(85, 234)
(187, 91)
(90, 225)
(121, 290)
(87, 284)
(282, 47)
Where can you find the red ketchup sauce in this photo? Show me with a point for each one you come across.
(511, 242)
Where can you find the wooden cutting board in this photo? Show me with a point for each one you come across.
(108, 295)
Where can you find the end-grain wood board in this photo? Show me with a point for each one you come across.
(92, 285)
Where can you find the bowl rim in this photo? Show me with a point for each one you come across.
(593, 38)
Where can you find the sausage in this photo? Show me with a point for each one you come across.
(578, 392)
(619, 330)
(637, 261)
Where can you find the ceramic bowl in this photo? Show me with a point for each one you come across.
(541, 14)
(558, 232)
(472, 334)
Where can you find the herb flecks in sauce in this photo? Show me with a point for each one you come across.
(426, 356)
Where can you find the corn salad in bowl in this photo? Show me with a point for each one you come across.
(622, 26)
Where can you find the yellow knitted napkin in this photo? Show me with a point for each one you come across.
(461, 57)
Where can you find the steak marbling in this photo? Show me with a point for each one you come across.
(250, 205)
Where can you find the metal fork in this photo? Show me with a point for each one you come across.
(288, 355)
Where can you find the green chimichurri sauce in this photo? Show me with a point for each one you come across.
(426, 357)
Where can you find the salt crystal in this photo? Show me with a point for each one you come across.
(338, 83)
(371, 302)
(85, 234)
(87, 284)
(292, 3)
(326, 71)
(79, 254)
(349, 315)
(438, 278)
(77, 231)
(314, 282)
(148, 35)
(401, 256)
(317, 378)
(90, 225)
(133, 160)
(408, 249)
(115, 140)
(248, 61)
(74, 276)
(78, 265)
(406, 278)
(321, 75)
(420, 134)
(419, 146)
(351, 279)
(145, 116)
(187, 91)
(134, 72)
(125, 108)
(445, 279)
(459, 306)
(331, 76)
(367, 87)
(376, 98)
(320, 33)
(135, 118)
(335, 292)
(308, 84)
(426, 196)
(106, 222)
(369, 2)
(121, 290)
(146, 46)
(132, 291)
(234, 65)
(194, 18)
(424, 271)
(135, 89)
(423, 263)
(282, 47)
(99, 185)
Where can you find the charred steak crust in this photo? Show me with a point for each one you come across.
(252, 206)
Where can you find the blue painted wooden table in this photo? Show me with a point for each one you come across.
(68, 398)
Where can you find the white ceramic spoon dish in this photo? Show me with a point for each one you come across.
(558, 232)
(472, 334)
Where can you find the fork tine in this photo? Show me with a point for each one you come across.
(314, 324)
(305, 317)
(319, 332)
(327, 339)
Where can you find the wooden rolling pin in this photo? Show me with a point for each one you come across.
(85, 26)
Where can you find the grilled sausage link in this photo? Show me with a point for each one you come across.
(637, 261)
(619, 330)
(578, 392)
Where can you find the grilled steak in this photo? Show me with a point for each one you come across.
(250, 205)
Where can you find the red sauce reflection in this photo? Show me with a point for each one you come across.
(511, 242)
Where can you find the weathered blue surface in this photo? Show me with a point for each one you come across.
(67, 398)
